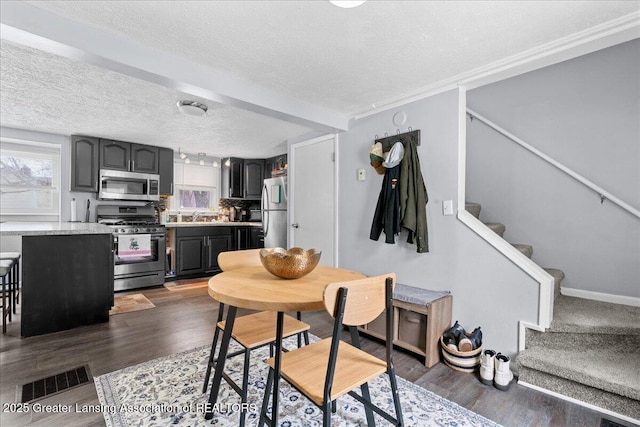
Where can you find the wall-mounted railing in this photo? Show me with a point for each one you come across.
(604, 195)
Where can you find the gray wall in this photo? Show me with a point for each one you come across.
(585, 114)
(488, 290)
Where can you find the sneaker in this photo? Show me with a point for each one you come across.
(503, 374)
(487, 365)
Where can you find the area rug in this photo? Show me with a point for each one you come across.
(168, 391)
(180, 285)
(129, 303)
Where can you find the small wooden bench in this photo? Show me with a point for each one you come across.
(420, 318)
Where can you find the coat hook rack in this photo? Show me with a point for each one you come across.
(388, 141)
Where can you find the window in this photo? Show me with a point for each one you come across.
(29, 178)
(196, 188)
(194, 198)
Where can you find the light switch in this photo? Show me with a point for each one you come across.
(362, 174)
(447, 207)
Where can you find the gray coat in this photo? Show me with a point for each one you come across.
(413, 198)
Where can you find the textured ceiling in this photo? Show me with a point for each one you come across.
(345, 60)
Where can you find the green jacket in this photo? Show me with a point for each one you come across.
(413, 198)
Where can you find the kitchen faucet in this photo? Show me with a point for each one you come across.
(195, 216)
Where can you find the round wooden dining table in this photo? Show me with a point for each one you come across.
(254, 288)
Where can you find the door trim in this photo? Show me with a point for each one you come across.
(291, 184)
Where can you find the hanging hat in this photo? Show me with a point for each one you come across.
(376, 157)
(394, 156)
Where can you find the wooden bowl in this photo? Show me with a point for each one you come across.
(463, 361)
(291, 264)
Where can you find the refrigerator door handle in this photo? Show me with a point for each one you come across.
(265, 223)
(264, 212)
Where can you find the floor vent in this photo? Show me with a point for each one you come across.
(48, 386)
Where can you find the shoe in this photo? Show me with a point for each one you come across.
(503, 374)
(453, 334)
(487, 366)
(464, 343)
(476, 338)
(450, 342)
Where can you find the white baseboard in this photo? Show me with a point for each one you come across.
(581, 403)
(600, 296)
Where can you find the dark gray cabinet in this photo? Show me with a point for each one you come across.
(190, 255)
(253, 178)
(249, 238)
(197, 249)
(216, 243)
(165, 169)
(256, 238)
(273, 163)
(241, 178)
(126, 156)
(232, 178)
(84, 163)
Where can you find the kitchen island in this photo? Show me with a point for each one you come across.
(67, 274)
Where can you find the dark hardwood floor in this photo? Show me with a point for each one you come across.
(185, 319)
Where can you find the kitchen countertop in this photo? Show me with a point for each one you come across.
(212, 224)
(51, 228)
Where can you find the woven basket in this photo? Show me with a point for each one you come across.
(291, 264)
(463, 361)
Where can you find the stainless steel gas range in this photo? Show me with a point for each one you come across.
(139, 245)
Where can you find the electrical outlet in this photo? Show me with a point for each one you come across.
(447, 207)
(362, 174)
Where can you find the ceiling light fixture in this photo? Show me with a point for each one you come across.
(182, 155)
(346, 4)
(192, 108)
(201, 155)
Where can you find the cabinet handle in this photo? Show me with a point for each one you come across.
(172, 188)
(133, 165)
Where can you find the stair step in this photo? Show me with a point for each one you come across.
(589, 353)
(578, 342)
(527, 250)
(497, 228)
(594, 396)
(579, 315)
(473, 209)
(614, 371)
(558, 275)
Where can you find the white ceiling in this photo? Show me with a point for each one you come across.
(270, 71)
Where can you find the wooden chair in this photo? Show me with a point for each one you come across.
(251, 331)
(325, 370)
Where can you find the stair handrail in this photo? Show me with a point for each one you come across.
(604, 195)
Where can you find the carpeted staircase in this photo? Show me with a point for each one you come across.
(590, 353)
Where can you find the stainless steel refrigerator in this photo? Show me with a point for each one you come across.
(274, 212)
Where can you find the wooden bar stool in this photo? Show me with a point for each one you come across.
(5, 270)
(14, 278)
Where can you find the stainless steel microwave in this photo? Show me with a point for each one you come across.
(121, 185)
